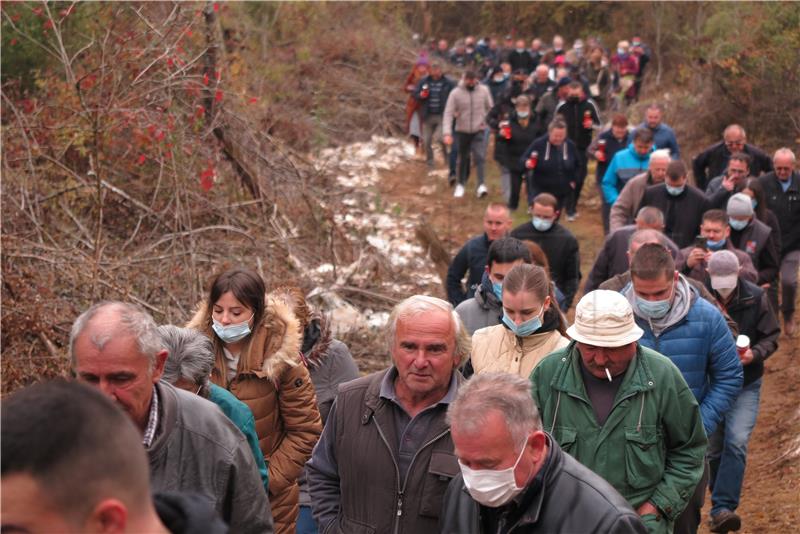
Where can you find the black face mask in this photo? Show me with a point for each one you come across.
(572, 99)
(470, 87)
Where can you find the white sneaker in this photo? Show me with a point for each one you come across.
(482, 191)
(459, 192)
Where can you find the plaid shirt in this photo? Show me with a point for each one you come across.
(152, 421)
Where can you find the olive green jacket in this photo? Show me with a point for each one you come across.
(652, 445)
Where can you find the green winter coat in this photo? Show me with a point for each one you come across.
(651, 447)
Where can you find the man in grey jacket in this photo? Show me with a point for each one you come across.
(191, 445)
(385, 457)
(468, 104)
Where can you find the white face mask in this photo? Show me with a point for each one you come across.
(492, 488)
(725, 292)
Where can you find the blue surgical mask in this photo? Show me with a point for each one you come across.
(542, 225)
(526, 328)
(715, 245)
(653, 309)
(497, 289)
(738, 225)
(675, 191)
(755, 203)
(523, 114)
(233, 332)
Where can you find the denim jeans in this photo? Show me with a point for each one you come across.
(305, 521)
(471, 146)
(727, 449)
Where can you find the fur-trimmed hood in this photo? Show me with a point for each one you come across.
(317, 338)
(274, 344)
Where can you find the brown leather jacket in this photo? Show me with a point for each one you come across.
(275, 384)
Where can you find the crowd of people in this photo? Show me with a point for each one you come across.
(461, 115)
(495, 414)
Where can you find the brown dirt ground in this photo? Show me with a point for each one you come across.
(771, 493)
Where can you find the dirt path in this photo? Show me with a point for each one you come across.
(771, 494)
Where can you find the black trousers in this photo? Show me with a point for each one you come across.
(572, 199)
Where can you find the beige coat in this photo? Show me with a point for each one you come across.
(497, 350)
(275, 384)
(624, 210)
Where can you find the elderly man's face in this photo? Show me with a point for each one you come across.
(658, 169)
(119, 370)
(783, 166)
(598, 359)
(424, 354)
(734, 140)
(494, 449)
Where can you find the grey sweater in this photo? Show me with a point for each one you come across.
(198, 449)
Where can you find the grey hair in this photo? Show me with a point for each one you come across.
(661, 153)
(647, 235)
(508, 394)
(650, 215)
(191, 356)
(131, 319)
(419, 304)
(732, 127)
(783, 152)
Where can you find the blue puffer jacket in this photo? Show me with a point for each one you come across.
(625, 164)
(702, 347)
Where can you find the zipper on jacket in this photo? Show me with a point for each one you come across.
(401, 490)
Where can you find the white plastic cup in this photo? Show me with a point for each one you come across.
(742, 344)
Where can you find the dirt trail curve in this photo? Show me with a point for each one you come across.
(771, 494)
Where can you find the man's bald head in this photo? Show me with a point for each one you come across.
(107, 320)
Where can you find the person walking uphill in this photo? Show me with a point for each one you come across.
(623, 411)
(514, 478)
(432, 92)
(385, 458)
(468, 104)
(257, 348)
(532, 325)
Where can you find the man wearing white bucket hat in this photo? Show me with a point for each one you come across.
(623, 410)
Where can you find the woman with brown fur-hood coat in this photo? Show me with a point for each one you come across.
(257, 345)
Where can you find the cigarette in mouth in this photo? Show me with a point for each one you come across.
(608, 374)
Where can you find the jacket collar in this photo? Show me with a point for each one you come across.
(568, 379)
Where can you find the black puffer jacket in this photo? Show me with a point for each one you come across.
(564, 497)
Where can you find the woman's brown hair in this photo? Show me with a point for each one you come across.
(534, 279)
(246, 285)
